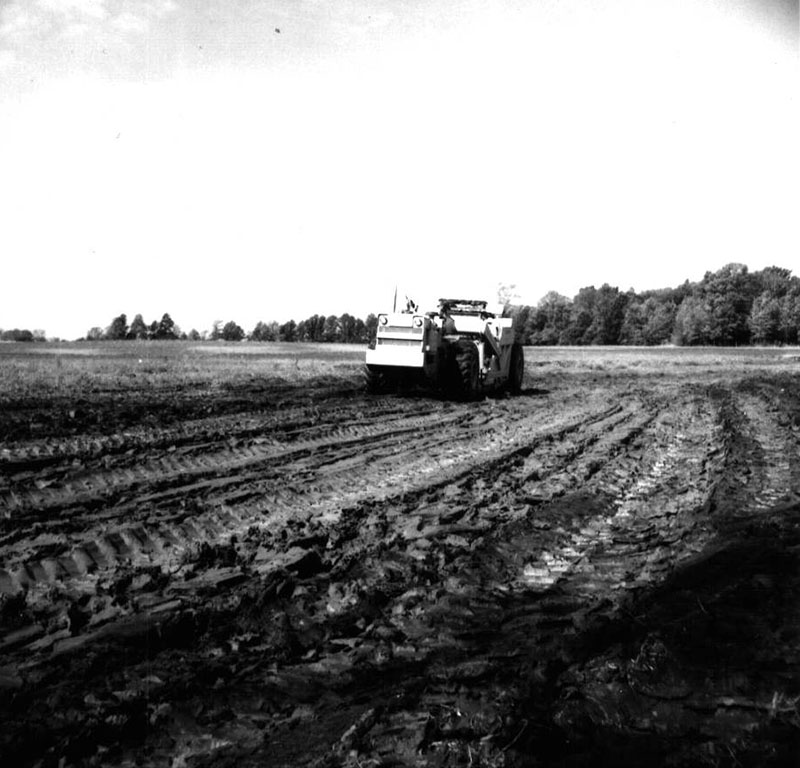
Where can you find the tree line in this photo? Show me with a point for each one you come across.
(22, 334)
(138, 330)
(344, 329)
(729, 307)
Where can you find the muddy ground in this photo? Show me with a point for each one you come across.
(602, 570)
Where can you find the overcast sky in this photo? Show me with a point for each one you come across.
(269, 159)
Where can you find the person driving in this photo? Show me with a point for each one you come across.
(448, 324)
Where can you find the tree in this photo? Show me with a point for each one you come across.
(19, 334)
(607, 316)
(775, 281)
(319, 332)
(262, 332)
(581, 317)
(288, 331)
(549, 322)
(94, 334)
(311, 329)
(632, 330)
(193, 335)
(347, 328)
(774, 314)
(728, 295)
(138, 329)
(692, 326)
(649, 318)
(331, 330)
(680, 293)
(216, 331)
(118, 328)
(521, 314)
(232, 332)
(765, 319)
(166, 328)
(360, 332)
(790, 317)
(659, 318)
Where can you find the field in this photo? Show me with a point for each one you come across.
(231, 555)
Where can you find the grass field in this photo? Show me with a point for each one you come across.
(27, 369)
(82, 368)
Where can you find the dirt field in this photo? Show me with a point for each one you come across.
(232, 556)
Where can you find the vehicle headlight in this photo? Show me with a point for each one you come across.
(418, 322)
(383, 319)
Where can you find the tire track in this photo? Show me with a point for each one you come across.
(287, 422)
(83, 488)
(479, 594)
(317, 479)
(651, 496)
(631, 545)
(424, 587)
(402, 524)
(774, 459)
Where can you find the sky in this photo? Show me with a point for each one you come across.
(256, 160)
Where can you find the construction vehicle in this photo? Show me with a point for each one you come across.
(462, 349)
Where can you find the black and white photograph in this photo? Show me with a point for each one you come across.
(409, 384)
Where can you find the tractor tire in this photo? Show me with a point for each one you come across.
(466, 371)
(376, 383)
(516, 370)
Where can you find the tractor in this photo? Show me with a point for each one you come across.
(461, 349)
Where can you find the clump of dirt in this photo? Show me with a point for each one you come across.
(14, 611)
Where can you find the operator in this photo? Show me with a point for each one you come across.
(448, 324)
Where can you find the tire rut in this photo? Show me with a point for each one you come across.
(310, 475)
(774, 462)
(473, 584)
(562, 589)
(443, 639)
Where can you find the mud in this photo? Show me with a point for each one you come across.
(603, 569)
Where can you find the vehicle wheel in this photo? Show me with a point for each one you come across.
(516, 370)
(376, 382)
(467, 370)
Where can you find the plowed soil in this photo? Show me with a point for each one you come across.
(602, 570)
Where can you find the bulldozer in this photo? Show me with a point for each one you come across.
(461, 349)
